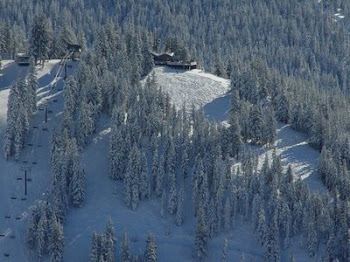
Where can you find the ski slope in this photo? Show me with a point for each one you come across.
(190, 87)
(14, 203)
(104, 197)
(212, 93)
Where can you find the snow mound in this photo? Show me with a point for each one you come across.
(190, 87)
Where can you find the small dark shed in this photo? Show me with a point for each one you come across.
(22, 59)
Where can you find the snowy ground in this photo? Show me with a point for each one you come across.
(211, 92)
(191, 87)
(13, 202)
(104, 198)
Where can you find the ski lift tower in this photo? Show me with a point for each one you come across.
(75, 51)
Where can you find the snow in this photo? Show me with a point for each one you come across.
(104, 197)
(339, 15)
(15, 226)
(294, 150)
(211, 92)
(190, 87)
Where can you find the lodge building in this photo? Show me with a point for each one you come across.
(167, 59)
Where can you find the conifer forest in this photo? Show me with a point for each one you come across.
(175, 130)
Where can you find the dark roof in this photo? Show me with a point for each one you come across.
(162, 54)
(74, 46)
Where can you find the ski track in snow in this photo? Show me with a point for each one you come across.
(104, 198)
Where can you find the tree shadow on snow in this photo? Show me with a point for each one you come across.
(47, 78)
(10, 73)
(218, 108)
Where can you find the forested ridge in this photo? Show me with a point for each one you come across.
(288, 61)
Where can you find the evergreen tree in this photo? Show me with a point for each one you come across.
(185, 163)
(224, 251)
(256, 124)
(160, 177)
(283, 108)
(40, 38)
(56, 242)
(110, 232)
(272, 252)
(163, 207)
(235, 135)
(201, 239)
(144, 183)
(32, 86)
(261, 227)
(131, 180)
(227, 215)
(179, 208)
(94, 251)
(40, 237)
(78, 185)
(151, 249)
(85, 124)
(126, 255)
(172, 196)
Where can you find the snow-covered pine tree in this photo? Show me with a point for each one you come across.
(77, 185)
(185, 161)
(163, 204)
(236, 137)
(40, 38)
(224, 251)
(32, 86)
(227, 215)
(117, 153)
(180, 206)
(213, 226)
(94, 251)
(125, 255)
(261, 230)
(272, 244)
(160, 177)
(270, 127)
(172, 195)
(256, 124)
(151, 249)
(283, 107)
(40, 237)
(110, 232)
(201, 238)
(56, 242)
(85, 124)
(17, 120)
(65, 36)
(154, 170)
(31, 231)
(131, 180)
(147, 58)
(144, 182)
(285, 223)
(256, 206)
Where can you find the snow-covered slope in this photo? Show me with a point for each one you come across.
(191, 87)
(104, 197)
(211, 92)
(14, 204)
